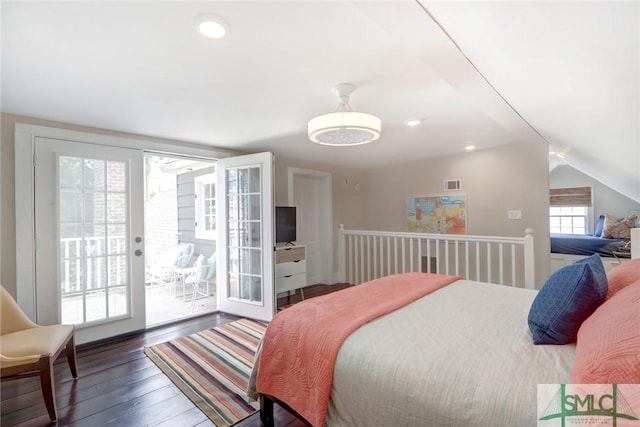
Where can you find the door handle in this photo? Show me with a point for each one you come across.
(138, 252)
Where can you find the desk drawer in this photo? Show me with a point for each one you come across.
(289, 283)
(289, 268)
(290, 254)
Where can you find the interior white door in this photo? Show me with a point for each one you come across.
(245, 232)
(88, 229)
(306, 191)
(311, 196)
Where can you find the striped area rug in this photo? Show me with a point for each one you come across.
(212, 368)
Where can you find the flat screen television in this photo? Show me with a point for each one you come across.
(285, 224)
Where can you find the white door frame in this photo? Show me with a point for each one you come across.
(25, 136)
(326, 181)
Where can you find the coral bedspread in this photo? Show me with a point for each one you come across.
(301, 344)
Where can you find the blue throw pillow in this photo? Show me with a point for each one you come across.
(598, 269)
(599, 225)
(567, 298)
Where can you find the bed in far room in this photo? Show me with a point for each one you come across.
(609, 240)
(584, 244)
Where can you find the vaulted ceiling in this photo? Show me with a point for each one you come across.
(476, 73)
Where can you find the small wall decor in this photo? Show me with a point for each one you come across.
(437, 214)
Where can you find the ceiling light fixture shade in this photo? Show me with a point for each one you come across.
(344, 127)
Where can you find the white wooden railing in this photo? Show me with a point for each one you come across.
(71, 253)
(367, 255)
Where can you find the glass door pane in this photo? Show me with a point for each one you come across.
(244, 243)
(94, 273)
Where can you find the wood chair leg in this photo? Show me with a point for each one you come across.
(46, 384)
(71, 356)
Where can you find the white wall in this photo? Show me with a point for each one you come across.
(495, 181)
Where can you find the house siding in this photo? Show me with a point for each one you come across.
(186, 212)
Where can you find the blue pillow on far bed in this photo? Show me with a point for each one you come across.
(599, 225)
(567, 298)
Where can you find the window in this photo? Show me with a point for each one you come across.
(570, 210)
(568, 219)
(205, 194)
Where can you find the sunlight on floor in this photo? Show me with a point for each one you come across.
(166, 303)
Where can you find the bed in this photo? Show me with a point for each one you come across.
(608, 240)
(579, 244)
(459, 355)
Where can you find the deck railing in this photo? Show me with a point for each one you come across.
(103, 256)
(367, 255)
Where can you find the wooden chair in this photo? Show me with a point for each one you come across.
(27, 349)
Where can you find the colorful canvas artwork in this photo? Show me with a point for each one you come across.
(437, 214)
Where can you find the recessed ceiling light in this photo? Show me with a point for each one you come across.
(211, 26)
(470, 147)
(413, 122)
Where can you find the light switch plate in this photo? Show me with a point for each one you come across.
(514, 214)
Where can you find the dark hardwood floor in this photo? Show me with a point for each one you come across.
(118, 385)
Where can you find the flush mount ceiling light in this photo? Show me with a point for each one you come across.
(344, 127)
(211, 26)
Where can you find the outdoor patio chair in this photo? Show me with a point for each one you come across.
(163, 269)
(202, 272)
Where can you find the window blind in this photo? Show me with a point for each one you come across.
(575, 196)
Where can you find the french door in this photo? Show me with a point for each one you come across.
(245, 236)
(80, 231)
(88, 230)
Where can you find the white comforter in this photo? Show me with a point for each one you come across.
(461, 356)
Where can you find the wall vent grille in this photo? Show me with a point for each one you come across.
(452, 185)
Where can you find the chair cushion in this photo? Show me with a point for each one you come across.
(8, 362)
(39, 341)
(185, 252)
(176, 256)
(211, 271)
(201, 268)
(12, 318)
